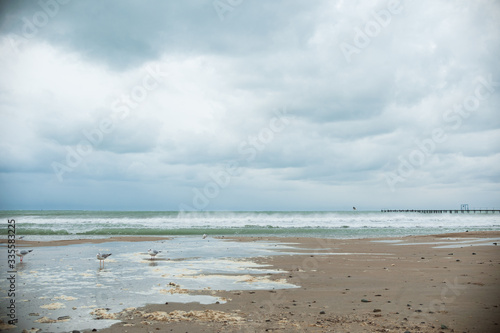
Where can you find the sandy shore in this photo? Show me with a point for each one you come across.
(362, 285)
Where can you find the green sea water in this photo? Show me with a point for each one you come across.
(335, 224)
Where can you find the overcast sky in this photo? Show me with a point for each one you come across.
(249, 105)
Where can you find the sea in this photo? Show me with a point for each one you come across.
(64, 288)
(61, 224)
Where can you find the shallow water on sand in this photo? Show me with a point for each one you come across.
(67, 282)
(61, 281)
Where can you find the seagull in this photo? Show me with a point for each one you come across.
(101, 256)
(153, 253)
(22, 253)
(205, 236)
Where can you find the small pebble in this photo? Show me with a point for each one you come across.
(322, 312)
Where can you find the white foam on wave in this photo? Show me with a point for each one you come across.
(282, 220)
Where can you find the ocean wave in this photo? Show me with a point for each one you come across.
(241, 223)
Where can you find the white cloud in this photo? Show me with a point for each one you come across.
(220, 83)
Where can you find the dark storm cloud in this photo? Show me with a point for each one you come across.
(378, 96)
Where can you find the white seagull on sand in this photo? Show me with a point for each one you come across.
(153, 253)
(22, 253)
(101, 256)
(204, 236)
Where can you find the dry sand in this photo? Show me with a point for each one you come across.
(389, 288)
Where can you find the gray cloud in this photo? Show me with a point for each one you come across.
(354, 120)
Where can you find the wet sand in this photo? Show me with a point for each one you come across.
(412, 284)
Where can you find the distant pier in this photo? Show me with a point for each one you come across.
(442, 211)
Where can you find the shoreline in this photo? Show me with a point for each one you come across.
(349, 285)
(28, 243)
(132, 238)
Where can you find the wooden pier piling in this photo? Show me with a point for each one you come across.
(441, 211)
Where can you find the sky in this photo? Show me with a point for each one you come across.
(249, 105)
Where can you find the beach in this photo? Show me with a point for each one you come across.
(431, 283)
(249, 166)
